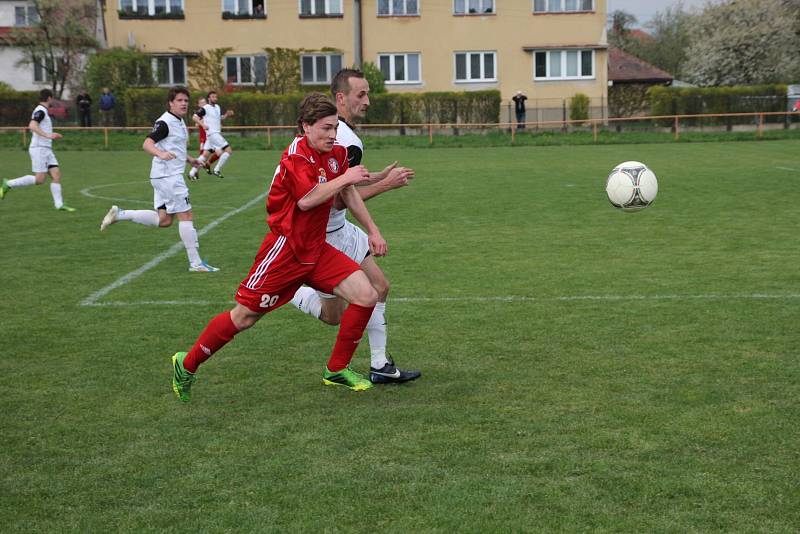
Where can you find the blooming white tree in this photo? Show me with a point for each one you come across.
(745, 42)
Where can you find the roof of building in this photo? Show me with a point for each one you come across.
(626, 68)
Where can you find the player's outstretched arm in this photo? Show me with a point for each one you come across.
(353, 200)
(396, 178)
(322, 192)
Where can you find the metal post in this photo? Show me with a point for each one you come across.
(24, 137)
(513, 133)
(677, 128)
(760, 124)
(594, 131)
(430, 133)
(269, 137)
(105, 136)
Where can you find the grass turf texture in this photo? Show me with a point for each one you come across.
(634, 380)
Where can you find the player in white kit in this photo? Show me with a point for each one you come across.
(43, 161)
(167, 144)
(351, 93)
(210, 117)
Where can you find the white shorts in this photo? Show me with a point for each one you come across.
(352, 241)
(171, 193)
(215, 141)
(42, 159)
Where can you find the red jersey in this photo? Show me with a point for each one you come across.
(301, 169)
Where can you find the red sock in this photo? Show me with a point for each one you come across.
(218, 332)
(354, 321)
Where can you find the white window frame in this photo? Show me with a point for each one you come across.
(171, 82)
(469, 79)
(563, 64)
(151, 6)
(251, 8)
(330, 74)
(39, 65)
(252, 69)
(393, 58)
(564, 7)
(465, 7)
(391, 12)
(31, 15)
(313, 6)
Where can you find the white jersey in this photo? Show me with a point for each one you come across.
(170, 135)
(346, 137)
(41, 115)
(212, 118)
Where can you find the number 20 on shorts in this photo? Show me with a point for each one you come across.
(267, 301)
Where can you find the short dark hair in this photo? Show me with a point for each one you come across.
(314, 107)
(208, 95)
(175, 91)
(341, 82)
(44, 94)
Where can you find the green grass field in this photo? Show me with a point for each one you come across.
(584, 369)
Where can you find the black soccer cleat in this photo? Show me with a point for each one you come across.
(390, 374)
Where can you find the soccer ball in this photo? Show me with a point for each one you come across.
(631, 186)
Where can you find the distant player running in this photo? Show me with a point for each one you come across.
(210, 117)
(201, 136)
(167, 144)
(351, 91)
(43, 161)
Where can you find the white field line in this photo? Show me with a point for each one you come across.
(87, 192)
(92, 299)
(510, 298)
(788, 169)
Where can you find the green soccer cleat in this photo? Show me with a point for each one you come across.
(64, 207)
(347, 378)
(182, 379)
(4, 189)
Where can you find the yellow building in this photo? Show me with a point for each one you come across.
(548, 49)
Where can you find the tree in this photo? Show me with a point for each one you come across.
(207, 71)
(619, 33)
(118, 69)
(59, 40)
(671, 37)
(283, 70)
(745, 42)
(374, 77)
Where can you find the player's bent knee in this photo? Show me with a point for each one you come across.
(382, 288)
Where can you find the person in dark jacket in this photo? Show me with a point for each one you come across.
(84, 105)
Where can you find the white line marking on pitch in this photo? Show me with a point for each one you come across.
(86, 192)
(92, 299)
(568, 298)
(788, 169)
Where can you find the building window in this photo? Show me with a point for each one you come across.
(42, 70)
(320, 8)
(319, 68)
(246, 70)
(151, 8)
(562, 6)
(25, 15)
(400, 68)
(244, 9)
(398, 8)
(473, 7)
(476, 66)
(169, 70)
(563, 64)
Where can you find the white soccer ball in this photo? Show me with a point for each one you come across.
(631, 186)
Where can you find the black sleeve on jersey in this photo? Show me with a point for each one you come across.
(354, 155)
(200, 112)
(38, 116)
(160, 131)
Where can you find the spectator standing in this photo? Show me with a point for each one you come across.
(107, 105)
(519, 107)
(84, 105)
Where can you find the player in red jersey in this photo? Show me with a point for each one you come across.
(313, 170)
(201, 136)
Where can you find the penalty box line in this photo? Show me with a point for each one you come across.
(92, 300)
(572, 298)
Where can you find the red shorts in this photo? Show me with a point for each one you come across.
(276, 274)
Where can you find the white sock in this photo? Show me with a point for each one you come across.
(201, 160)
(22, 181)
(145, 217)
(376, 330)
(55, 190)
(189, 238)
(222, 159)
(307, 301)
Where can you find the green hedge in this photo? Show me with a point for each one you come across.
(713, 100)
(16, 107)
(258, 109)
